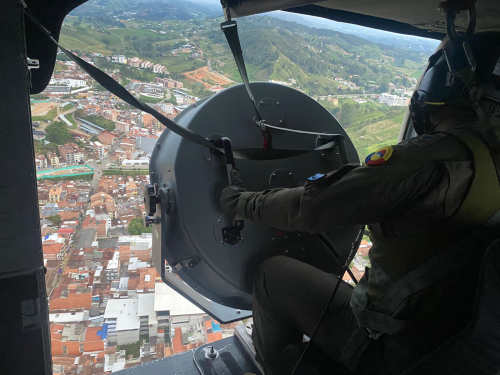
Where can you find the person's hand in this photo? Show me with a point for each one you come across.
(236, 180)
(231, 194)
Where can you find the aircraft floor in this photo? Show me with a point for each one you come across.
(235, 361)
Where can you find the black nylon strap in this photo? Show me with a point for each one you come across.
(114, 87)
(261, 154)
(230, 30)
(354, 349)
(427, 274)
(373, 320)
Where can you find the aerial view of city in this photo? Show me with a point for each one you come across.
(109, 308)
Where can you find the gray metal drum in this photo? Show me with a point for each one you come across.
(188, 236)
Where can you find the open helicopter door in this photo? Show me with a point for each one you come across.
(189, 249)
(191, 237)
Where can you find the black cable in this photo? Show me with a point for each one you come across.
(350, 257)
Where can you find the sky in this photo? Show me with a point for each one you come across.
(374, 35)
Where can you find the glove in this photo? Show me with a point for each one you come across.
(231, 194)
(236, 179)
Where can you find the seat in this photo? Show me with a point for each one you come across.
(474, 350)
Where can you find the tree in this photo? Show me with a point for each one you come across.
(55, 219)
(57, 133)
(136, 227)
(384, 87)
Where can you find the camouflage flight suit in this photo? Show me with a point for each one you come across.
(407, 202)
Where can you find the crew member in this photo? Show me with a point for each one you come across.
(428, 203)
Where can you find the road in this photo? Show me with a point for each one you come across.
(98, 168)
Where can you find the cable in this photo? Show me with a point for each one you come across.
(297, 131)
(350, 257)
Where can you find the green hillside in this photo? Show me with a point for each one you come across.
(312, 60)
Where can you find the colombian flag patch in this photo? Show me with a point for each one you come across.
(380, 156)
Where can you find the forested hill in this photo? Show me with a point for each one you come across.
(281, 50)
(185, 37)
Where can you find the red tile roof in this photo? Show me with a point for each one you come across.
(54, 248)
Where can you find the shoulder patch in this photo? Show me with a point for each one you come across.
(380, 156)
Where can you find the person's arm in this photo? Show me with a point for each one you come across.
(350, 195)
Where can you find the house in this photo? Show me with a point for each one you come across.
(71, 153)
(122, 127)
(55, 193)
(131, 188)
(136, 246)
(106, 138)
(147, 279)
(76, 339)
(216, 89)
(135, 62)
(52, 251)
(147, 119)
(53, 159)
(40, 161)
(71, 297)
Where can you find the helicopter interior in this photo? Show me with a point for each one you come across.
(27, 63)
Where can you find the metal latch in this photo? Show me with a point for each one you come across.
(189, 263)
(32, 63)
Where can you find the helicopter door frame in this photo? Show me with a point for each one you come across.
(24, 319)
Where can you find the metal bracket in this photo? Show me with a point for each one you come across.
(165, 199)
(32, 63)
(338, 141)
(232, 235)
(189, 263)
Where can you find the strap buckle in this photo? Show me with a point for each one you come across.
(373, 335)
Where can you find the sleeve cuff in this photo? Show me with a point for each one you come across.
(241, 207)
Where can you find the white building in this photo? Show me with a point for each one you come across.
(123, 320)
(100, 149)
(113, 266)
(168, 108)
(40, 161)
(68, 82)
(147, 314)
(170, 305)
(74, 317)
(120, 59)
(393, 100)
(135, 163)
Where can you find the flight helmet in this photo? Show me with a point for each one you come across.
(453, 73)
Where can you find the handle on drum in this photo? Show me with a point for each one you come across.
(231, 235)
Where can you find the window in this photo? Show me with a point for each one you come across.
(359, 80)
